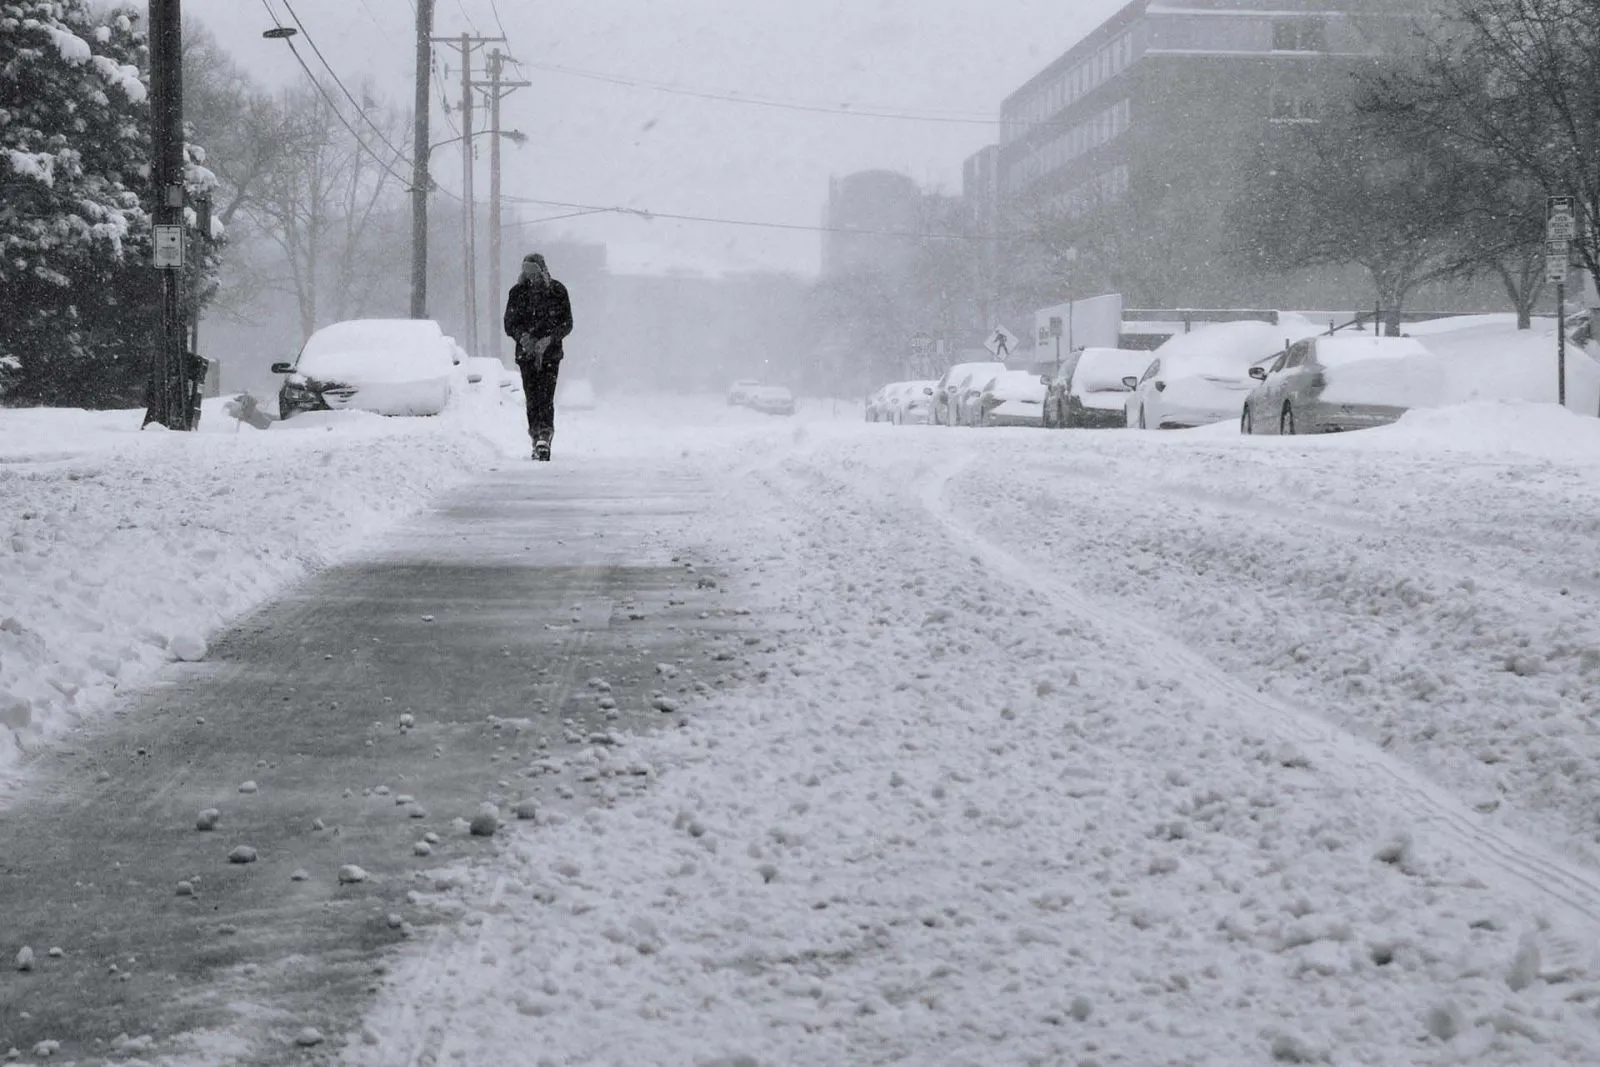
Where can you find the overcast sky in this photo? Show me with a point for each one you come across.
(592, 142)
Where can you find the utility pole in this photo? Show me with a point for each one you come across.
(420, 180)
(168, 391)
(497, 90)
(467, 44)
(469, 248)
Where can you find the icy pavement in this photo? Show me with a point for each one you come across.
(1031, 770)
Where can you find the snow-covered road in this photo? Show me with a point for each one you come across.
(1089, 748)
(1047, 748)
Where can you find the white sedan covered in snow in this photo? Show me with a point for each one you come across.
(1203, 377)
(1010, 398)
(386, 366)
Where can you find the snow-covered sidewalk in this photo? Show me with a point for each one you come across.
(1013, 778)
(124, 550)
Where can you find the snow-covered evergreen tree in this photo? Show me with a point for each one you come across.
(80, 305)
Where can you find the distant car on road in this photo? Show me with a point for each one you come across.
(739, 393)
(1329, 384)
(1010, 398)
(386, 366)
(772, 400)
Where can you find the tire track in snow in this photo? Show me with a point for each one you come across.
(1522, 865)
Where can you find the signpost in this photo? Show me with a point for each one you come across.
(1561, 228)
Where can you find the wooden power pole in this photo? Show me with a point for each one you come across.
(169, 391)
(420, 179)
(467, 44)
(496, 89)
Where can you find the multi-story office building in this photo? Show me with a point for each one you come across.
(1145, 125)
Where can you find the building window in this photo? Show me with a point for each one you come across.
(1300, 35)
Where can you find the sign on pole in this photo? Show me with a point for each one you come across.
(1557, 256)
(1561, 228)
(169, 247)
(1561, 214)
(1001, 342)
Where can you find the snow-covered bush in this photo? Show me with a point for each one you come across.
(81, 305)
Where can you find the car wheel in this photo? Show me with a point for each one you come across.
(1246, 426)
(1142, 425)
(1286, 421)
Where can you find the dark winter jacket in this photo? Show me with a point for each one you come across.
(540, 310)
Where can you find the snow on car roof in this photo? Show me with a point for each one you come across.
(1101, 370)
(1230, 347)
(390, 350)
(1334, 351)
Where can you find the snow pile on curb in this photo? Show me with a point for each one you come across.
(122, 551)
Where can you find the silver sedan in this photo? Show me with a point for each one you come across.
(1329, 384)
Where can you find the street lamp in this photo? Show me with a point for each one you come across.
(516, 137)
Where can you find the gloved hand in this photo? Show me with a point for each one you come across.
(526, 342)
(540, 347)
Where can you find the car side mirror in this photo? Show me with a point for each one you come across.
(1044, 379)
(473, 378)
(1131, 382)
(283, 368)
(927, 390)
(1258, 373)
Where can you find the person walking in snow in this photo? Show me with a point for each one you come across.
(538, 317)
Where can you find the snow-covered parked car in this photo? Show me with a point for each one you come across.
(948, 390)
(488, 376)
(1328, 384)
(386, 366)
(1096, 395)
(771, 400)
(1201, 377)
(739, 392)
(880, 402)
(912, 404)
(1010, 398)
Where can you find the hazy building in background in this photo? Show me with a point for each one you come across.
(866, 214)
(1139, 132)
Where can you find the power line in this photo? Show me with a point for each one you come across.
(462, 5)
(347, 94)
(381, 27)
(332, 105)
(857, 111)
(494, 7)
(591, 209)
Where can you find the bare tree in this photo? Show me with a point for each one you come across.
(331, 206)
(1517, 82)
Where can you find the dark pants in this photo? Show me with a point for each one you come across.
(539, 388)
